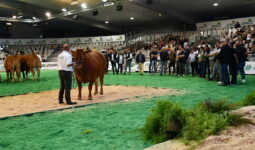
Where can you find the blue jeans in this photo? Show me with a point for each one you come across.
(240, 68)
(224, 74)
(128, 65)
(153, 66)
(163, 67)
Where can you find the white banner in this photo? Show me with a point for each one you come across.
(249, 67)
(114, 38)
(225, 23)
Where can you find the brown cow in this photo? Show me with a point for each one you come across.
(89, 67)
(30, 63)
(12, 64)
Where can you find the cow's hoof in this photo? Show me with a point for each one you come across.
(95, 93)
(101, 93)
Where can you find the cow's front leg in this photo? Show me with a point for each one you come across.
(33, 74)
(79, 90)
(90, 89)
(96, 87)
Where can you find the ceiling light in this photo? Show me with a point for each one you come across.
(20, 17)
(132, 18)
(8, 23)
(75, 16)
(48, 14)
(149, 2)
(106, 22)
(104, 0)
(74, 3)
(215, 4)
(64, 10)
(34, 18)
(84, 5)
(119, 7)
(95, 12)
(14, 17)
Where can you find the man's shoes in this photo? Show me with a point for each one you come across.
(72, 103)
(243, 81)
(223, 84)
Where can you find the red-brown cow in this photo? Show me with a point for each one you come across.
(12, 64)
(89, 67)
(31, 63)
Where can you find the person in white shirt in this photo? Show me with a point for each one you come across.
(193, 61)
(65, 69)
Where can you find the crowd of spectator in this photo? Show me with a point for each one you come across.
(216, 60)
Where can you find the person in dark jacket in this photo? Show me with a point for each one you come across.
(128, 58)
(164, 57)
(242, 54)
(226, 57)
(233, 65)
(140, 59)
(105, 53)
(181, 62)
(153, 59)
(112, 58)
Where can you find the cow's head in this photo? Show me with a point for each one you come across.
(78, 58)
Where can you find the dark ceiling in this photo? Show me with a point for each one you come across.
(172, 12)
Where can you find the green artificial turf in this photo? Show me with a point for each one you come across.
(109, 126)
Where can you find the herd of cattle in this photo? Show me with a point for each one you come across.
(22, 64)
(90, 66)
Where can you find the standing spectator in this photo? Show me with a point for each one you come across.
(140, 59)
(172, 62)
(242, 54)
(225, 59)
(216, 73)
(213, 50)
(200, 61)
(206, 63)
(112, 58)
(193, 61)
(150, 61)
(164, 57)
(128, 58)
(153, 56)
(233, 64)
(181, 62)
(105, 53)
(120, 62)
(177, 59)
(187, 65)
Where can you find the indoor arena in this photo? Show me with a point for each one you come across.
(127, 75)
